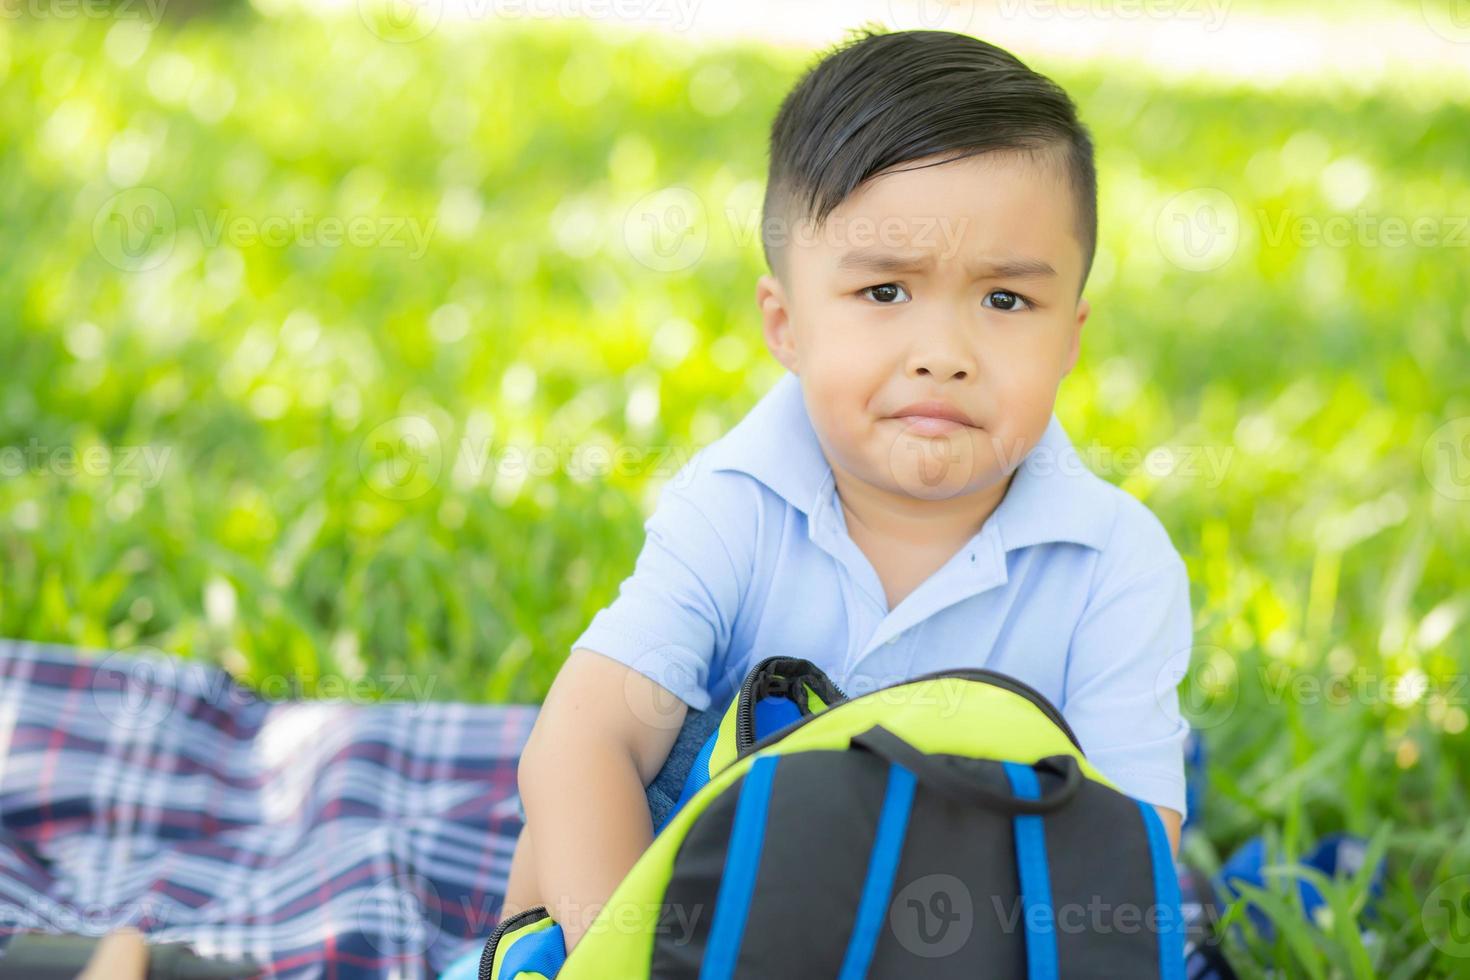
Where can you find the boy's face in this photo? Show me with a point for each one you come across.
(954, 284)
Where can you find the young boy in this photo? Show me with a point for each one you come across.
(930, 221)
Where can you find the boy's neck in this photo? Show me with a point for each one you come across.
(907, 520)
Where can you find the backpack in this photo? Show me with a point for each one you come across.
(948, 825)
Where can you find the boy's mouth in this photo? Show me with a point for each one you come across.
(932, 418)
(928, 425)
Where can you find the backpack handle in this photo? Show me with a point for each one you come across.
(944, 778)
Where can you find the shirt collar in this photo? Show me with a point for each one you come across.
(1054, 497)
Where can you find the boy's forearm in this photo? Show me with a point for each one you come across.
(588, 804)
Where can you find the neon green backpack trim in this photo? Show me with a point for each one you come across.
(965, 711)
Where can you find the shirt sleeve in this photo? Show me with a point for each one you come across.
(674, 614)
(1121, 690)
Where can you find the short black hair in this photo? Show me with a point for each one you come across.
(882, 98)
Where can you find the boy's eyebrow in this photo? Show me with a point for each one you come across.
(883, 260)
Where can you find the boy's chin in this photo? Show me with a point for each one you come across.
(932, 468)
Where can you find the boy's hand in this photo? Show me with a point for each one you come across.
(120, 955)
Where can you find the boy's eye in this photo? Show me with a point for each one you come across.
(1006, 300)
(886, 294)
(891, 293)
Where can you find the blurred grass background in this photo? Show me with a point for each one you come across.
(262, 401)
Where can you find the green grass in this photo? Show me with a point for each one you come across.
(266, 377)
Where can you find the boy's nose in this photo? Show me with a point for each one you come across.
(940, 350)
(943, 374)
(941, 360)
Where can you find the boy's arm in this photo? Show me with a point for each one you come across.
(1127, 656)
(1172, 821)
(600, 738)
(616, 706)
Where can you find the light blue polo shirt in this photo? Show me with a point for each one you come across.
(1071, 585)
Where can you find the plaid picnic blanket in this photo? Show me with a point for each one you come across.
(324, 839)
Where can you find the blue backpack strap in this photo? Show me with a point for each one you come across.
(1170, 921)
(771, 713)
(1035, 878)
(888, 840)
(695, 781)
(742, 860)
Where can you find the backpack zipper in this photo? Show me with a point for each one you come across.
(487, 958)
(746, 745)
(745, 702)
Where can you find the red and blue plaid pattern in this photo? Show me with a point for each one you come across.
(324, 839)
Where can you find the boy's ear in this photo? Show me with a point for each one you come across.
(1074, 348)
(776, 329)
